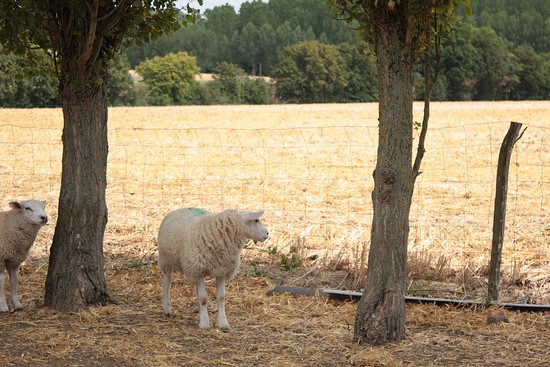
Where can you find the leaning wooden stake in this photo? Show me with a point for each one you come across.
(500, 210)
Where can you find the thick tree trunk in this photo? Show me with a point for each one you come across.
(76, 274)
(380, 316)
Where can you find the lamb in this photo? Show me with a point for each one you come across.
(18, 229)
(198, 244)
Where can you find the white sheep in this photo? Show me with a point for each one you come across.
(198, 244)
(18, 229)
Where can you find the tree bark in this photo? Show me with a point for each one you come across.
(76, 274)
(380, 316)
(499, 215)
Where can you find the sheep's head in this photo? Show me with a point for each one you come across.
(32, 210)
(255, 229)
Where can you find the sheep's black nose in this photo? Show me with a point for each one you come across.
(44, 219)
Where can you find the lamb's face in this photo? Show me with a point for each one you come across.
(256, 230)
(32, 210)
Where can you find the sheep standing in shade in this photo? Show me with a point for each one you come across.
(18, 229)
(199, 244)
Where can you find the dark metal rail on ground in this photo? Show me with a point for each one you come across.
(355, 296)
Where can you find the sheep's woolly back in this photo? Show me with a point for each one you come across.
(198, 244)
(17, 236)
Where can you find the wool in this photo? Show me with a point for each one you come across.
(18, 230)
(198, 244)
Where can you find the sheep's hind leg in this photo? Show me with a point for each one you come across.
(3, 304)
(166, 282)
(12, 270)
(220, 299)
(202, 298)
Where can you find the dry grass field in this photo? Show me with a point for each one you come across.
(310, 167)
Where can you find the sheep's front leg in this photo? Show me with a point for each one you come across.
(166, 282)
(3, 304)
(12, 270)
(220, 299)
(202, 298)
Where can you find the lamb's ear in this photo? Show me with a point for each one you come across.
(15, 205)
(43, 202)
(246, 215)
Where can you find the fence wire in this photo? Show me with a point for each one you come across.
(314, 183)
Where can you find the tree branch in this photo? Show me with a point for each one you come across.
(429, 84)
(90, 36)
(114, 18)
(53, 25)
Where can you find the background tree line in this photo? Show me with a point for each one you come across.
(502, 52)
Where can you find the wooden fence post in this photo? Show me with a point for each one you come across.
(500, 210)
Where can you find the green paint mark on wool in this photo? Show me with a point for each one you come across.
(198, 211)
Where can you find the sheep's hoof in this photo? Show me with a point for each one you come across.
(204, 326)
(223, 325)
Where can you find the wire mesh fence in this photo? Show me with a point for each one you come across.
(315, 185)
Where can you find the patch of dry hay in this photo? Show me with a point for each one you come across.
(310, 167)
(279, 330)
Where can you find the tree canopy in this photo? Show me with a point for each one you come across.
(310, 72)
(485, 59)
(252, 38)
(313, 72)
(170, 79)
(524, 22)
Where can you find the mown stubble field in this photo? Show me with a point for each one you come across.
(310, 167)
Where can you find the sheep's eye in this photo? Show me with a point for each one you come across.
(29, 209)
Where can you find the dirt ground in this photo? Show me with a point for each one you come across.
(278, 330)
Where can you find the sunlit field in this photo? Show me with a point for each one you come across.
(310, 167)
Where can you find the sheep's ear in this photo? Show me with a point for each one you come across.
(43, 202)
(246, 215)
(15, 205)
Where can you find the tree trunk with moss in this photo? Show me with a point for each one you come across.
(76, 274)
(380, 316)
